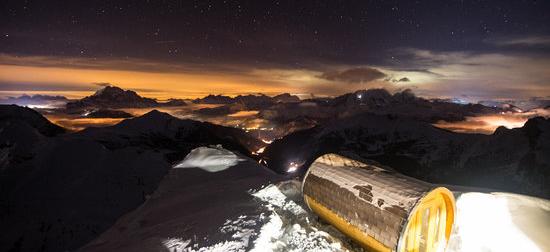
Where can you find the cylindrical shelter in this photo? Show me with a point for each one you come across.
(380, 209)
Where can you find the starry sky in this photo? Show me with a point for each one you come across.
(165, 48)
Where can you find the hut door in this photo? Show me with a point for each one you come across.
(426, 229)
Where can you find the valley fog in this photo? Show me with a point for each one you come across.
(250, 120)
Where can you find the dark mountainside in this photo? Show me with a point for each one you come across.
(13, 115)
(115, 97)
(60, 191)
(241, 103)
(514, 160)
(108, 113)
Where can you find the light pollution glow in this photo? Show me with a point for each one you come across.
(166, 85)
(487, 124)
(77, 83)
(429, 74)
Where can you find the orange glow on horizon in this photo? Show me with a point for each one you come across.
(79, 82)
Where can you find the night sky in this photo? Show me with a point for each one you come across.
(469, 49)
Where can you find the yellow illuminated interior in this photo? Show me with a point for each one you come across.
(430, 224)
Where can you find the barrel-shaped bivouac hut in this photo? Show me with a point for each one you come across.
(381, 209)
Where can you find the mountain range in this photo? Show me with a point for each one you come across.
(376, 101)
(249, 100)
(36, 100)
(242, 103)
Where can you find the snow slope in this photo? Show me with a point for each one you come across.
(242, 207)
(246, 207)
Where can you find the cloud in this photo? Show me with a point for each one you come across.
(395, 80)
(354, 75)
(480, 75)
(530, 41)
(7, 85)
(123, 64)
(102, 84)
(431, 73)
(415, 70)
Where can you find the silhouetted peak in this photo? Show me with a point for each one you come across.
(31, 117)
(175, 102)
(286, 97)
(500, 130)
(113, 97)
(154, 120)
(113, 91)
(538, 122)
(214, 99)
(156, 115)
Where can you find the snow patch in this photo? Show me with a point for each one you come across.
(241, 230)
(270, 234)
(210, 159)
(283, 226)
(290, 227)
(275, 196)
(175, 244)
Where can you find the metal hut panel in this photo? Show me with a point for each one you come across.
(381, 209)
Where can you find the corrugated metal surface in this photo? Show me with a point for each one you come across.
(374, 200)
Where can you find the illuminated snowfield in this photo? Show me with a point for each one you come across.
(484, 222)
